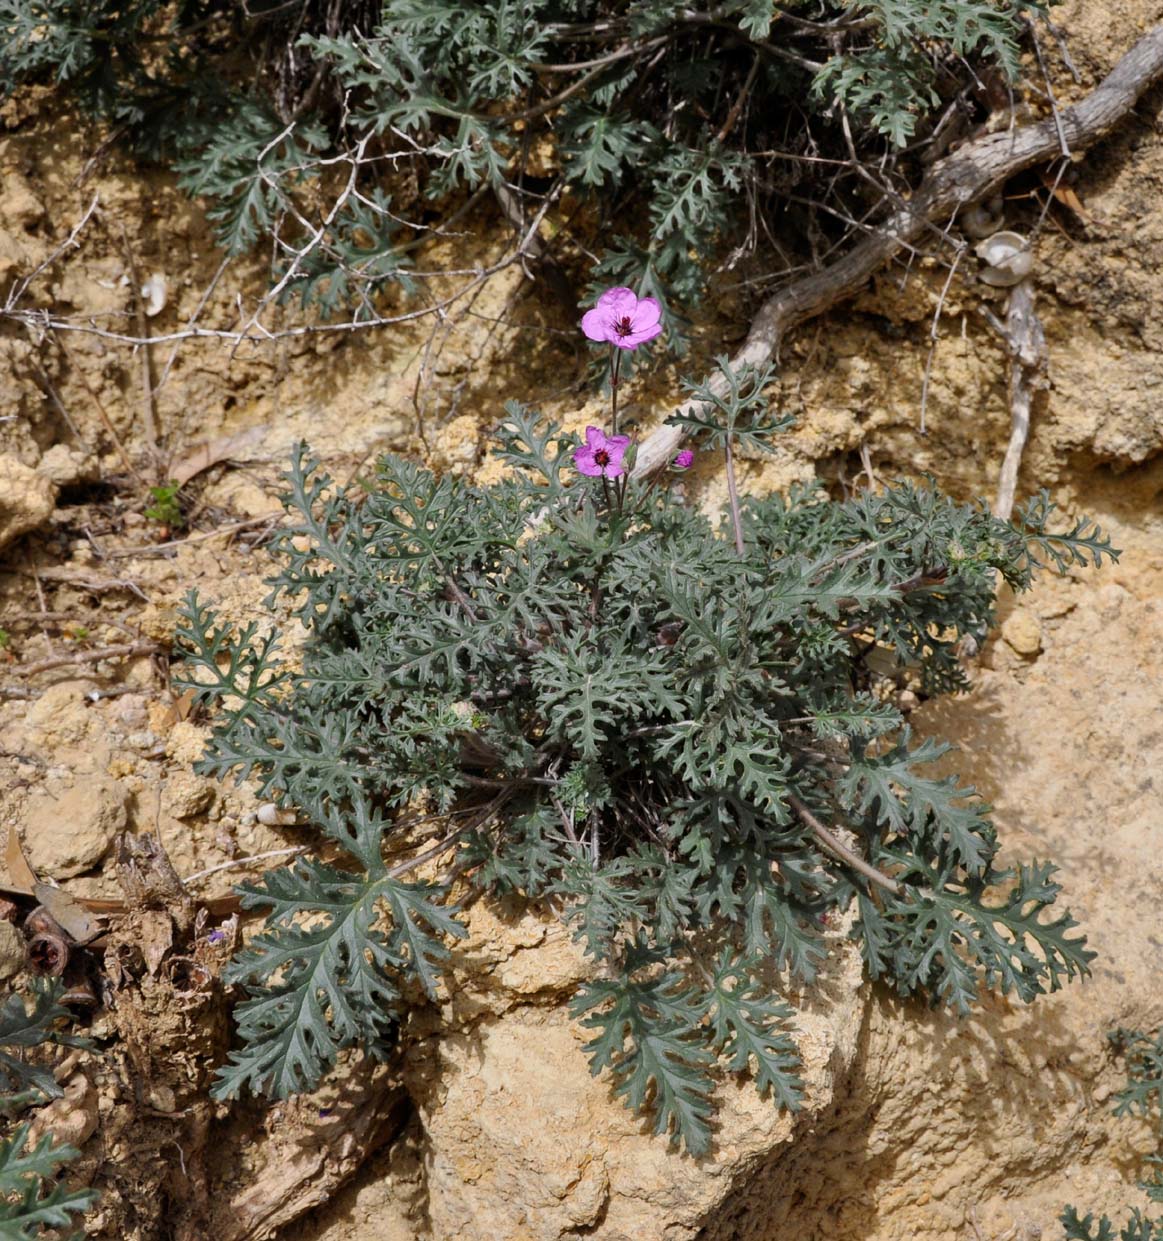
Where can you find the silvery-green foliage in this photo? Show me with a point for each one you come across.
(27, 1021)
(672, 125)
(1142, 1096)
(615, 712)
(30, 1200)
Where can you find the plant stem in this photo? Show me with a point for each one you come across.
(733, 491)
(615, 366)
(837, 849)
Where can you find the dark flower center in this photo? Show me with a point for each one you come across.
(623, 326)
(602, 457)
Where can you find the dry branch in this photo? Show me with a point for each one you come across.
(1026, 344)
(310, 1152)
(124, 650)
(962, 178)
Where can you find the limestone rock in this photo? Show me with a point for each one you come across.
(20, 208)
(187, 742)
(67, 834)
(26, 499)
(523, 1142)
(73, 1118)
(184, 794)
(1023, 633)
(13, 952)
(62, 722)
(987, 1126)
(64, 466)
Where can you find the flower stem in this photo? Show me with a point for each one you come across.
(615, 366)
(733, 491)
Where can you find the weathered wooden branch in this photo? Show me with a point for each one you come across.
(311, 1152)
(967, 175)
(1026, 344)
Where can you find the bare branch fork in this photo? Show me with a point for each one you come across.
(951, 184)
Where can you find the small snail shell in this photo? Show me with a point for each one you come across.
(1007, 258)
(154, 293)
(271, 815)
(983, 218)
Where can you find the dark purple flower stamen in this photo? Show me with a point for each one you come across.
(601, 455)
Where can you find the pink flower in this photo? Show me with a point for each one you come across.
(601, 455)
(624, 319)
(684, 460)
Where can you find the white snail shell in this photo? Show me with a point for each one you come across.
(1007, 258)
(154, 293)
(272, 815)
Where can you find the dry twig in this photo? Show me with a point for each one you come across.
(148, 409)
(123, 650)
(952, 183)
(840, 850)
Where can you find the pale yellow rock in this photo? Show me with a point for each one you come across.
(19, 205)
(61, 715)
(184, 794)
(187, 742)
(524, 1142)
(459, 444)
(1000, 1119)
(73, 1118)
(26, 499)
(1022, 632)
(13, 950)
(63, 466)
(69, 832)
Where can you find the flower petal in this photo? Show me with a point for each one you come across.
(616, 446)
(584, 463)
(618, 302)
(595, 439)
(597, 324)
(649, 313)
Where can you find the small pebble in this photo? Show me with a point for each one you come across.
(1022, 632)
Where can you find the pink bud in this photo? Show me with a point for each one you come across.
(684, 460)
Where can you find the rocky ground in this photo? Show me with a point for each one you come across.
(917, 1125)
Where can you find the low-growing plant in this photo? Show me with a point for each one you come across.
(30, 1201)
(165, 507)
(1142, 1096)
(570, 686)
(345, 137)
